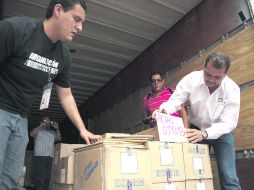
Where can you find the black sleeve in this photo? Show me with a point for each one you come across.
(63, 79)
(7, 40)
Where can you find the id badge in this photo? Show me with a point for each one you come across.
(46, 96)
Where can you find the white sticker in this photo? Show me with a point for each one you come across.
(169, 187)
(197, 163)
(46, 96)
(62, 175)
(170, 128)
(166, 156)
(129, 163)
(200, 186)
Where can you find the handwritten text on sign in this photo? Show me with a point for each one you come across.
(170, 128)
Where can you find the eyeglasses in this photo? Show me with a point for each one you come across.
(218, 78)
(155, 81)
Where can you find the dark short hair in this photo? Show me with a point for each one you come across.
(66, 4)
(155, 73)
(218, 61)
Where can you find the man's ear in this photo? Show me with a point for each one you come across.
(57, 10)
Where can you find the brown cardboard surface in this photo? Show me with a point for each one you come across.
(63, 150)
(197, 161)
(152, 131)
(193, 184)
(166, 161)
(62, 167)
(163, 186)
(63, 172)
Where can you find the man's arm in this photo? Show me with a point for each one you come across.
(178, 98)
(70, 107)
(35, 130)
(58, 133)
(184, 116)
(146, 117)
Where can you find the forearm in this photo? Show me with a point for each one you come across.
(35, 130)
(184, 116)
(58, 135)
(69, 105)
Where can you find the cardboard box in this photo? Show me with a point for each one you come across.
(63, 172)
(57, 186)
(105, 167)
(63, 163)
(167, 164)
(109, 135)
(152, 131)
(64, 150)
(167, 186)
(204, 184)
(197, 161)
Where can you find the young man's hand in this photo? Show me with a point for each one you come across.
(89, 137)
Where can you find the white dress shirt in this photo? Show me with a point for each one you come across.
(217, 113)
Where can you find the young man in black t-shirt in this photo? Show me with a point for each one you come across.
(33, 56)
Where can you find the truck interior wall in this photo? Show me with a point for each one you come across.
(126, 115)
(196, 30)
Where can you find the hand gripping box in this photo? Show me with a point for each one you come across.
(167, 164)
(112, 167)
(197, 161)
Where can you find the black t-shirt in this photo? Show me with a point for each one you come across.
(27, 58)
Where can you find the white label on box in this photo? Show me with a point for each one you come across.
(197, 163)
(169, 187)
(62, 175)
(166, 156)
(129, 163)
(170, 128)
(56, 157)
(200, 186)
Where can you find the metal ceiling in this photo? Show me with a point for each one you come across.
(115, 33)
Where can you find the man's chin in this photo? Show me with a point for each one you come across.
(211, 85)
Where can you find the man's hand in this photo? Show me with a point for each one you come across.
(193, 135)
(89, 137)
(156, 111)
(54, 124)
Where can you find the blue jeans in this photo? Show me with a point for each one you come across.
(224, 151)
(13, 142)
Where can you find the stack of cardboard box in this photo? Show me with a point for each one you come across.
(132, 162)
(62, 176)
(197, 164)
(193, 159)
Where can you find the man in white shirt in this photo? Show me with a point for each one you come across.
(214, 110)
(45, 136)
